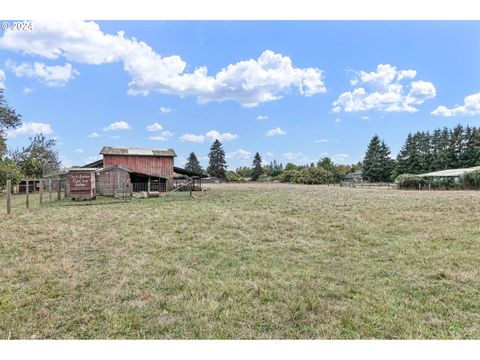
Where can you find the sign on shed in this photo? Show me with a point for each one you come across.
(82, 183)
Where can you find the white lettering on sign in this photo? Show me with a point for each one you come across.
(80, 181)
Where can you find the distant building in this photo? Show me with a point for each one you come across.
(352, 178)
(123, 171)
(454, 174)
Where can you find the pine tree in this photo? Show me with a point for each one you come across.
(217, 163)
(455, 147)
(377, 164)
(387, 163)
(257, 169)
(193, 164)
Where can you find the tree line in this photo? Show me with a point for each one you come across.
(423, 152)
(322, 172)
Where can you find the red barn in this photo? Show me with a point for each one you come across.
(149, 169)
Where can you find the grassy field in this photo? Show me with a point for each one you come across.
(246, 261)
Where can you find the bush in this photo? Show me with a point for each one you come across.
(470, 180)
(311, 175)
(409, 181)
(443, 183)
(265, 178)
(8, 170)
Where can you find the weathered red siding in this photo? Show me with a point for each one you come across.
(156, 165)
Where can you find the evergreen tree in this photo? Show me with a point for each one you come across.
(387, 163)
(455, 147)
(377, 164)
(217, 163)
(193, 164)
(257, 169)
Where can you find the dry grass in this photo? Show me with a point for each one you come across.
(246, 261)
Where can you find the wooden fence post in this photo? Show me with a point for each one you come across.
(27, 191)
(40, 198)
(50, 190)
(59, 190)
(9, 193)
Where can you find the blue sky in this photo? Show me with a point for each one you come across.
(318, 88)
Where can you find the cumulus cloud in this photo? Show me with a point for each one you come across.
(116, 126)
(165, 110)
(385, 90)
(470, 107)
(79, 151)
(249, 82)
(27, 90)
(270, 154)
(262, 117)
(192, 138)
(276, 132)
(164, 135)
(212, 135)
(340, 157)
(94, 135)
(154, 127)
(240, 154)
(2, 79)
(55, 75)
(320, 141)
(30, 128)
(297, 157)
(215, 135)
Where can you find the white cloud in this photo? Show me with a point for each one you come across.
(240, 154)
(276, 132)
(320, 141)
(27, 90)
(79, 151)
(30, 128)
(340, 157)
(165, 110)
(114, 137)
(51, 75)
(2, 79)
(154, 127)
(297, 158)
(337, 120)
(214, 135)
(470, 107)
(270, 154)
(164, 135)
(192, 138)
(262, 117)
(94, 135)
(365, 117)
(119, 125)
(383, 90)
(91, 159)
(249, 82)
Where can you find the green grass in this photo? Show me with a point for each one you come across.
(245, 261)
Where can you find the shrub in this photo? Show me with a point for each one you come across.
(470, 180)
(409, 181)
(264, 178)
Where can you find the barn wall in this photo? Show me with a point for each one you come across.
(157, 165)
(161, 166)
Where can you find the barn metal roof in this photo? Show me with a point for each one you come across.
(450, 172)
(108, 150)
